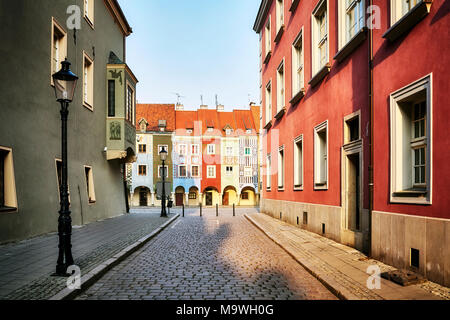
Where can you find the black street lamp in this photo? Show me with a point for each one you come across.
(65, 82)
(163, 156)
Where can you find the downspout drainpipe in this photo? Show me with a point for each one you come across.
(371, 145)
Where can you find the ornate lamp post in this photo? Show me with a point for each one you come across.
(163, 157)
(65, 82)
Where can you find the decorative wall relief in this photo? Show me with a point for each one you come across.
(117, 74)
(115, 131)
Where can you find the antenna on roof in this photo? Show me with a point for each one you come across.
(217, 101)
(201, 99)
(179, 96)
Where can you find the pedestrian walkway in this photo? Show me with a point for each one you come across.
(342, 269)
(26, 267)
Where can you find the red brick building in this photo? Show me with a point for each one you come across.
(341, 99)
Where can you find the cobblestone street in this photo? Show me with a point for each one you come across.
(209, 258)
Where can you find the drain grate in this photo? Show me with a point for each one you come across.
(403, 277)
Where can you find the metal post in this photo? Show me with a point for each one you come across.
(183, 210)
(217, 209)
(65, 258)
(200, 209)
(234, 210)
(163, 198)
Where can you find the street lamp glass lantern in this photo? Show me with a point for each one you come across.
(163, 154)
(65, 82)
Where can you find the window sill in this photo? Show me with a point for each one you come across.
(92, 202)
(89, 22)
(351, 45)
(280, 113)
(319, 76)
(280, 188)
(269, 190)
(268, 56)
(279, 34)
(408, 21)
(299, 96)
(7, 209)
(294, 6)
(321, 186)
(268, 125)
(419, 197)
(88, 106)
(298, 188)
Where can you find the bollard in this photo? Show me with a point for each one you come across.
(217, 209)
(200, 209)
(183, 210)
(234, 210)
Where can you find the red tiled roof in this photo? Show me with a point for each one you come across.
(152, 113)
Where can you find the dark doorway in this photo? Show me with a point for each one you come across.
(209, 199)
(143, 198)
(179, 199)
(353, 192)
(226, 197)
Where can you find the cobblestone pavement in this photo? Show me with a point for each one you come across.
(209, 258)
(26, 267)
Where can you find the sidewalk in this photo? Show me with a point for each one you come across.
(342, 269)
(26, 266)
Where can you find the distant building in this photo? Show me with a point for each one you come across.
(101, 134)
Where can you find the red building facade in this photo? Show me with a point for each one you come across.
(338, 79)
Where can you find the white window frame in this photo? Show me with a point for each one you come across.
(400, 8)
(268, 110)
(281, 88)
(198, 171)
(9, 181)
(60, 53)
(345, 7)
(268, 36)
(298, 163)
(88, 81)
(248, 172)
(315, 33)
(269, 172)
(91, 191)
(298, 67)
(321, 171)
(185, 170)
(139, 173)
(229, 172)
(245, 151)
(166, 147)
(195, 149)
(229, 150)
(207, 172)
(401, 140)
(213, 151)
(89, 12)
(185, 149)
(281, 167)
(279, 14)
(159, 171)
(133, 102)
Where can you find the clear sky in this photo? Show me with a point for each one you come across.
(194, 47)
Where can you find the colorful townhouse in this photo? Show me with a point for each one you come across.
(350, 101)
(101, 131)
(155, 124)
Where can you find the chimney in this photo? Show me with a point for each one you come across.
(203, 106)
(220, 107)
(179, 107)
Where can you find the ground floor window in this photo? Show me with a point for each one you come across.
(90, 184)
(8, 198)
(244, 196)
(192, 195)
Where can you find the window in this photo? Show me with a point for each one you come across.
(192, 195)
(194, 171)
(280, 14)
(269, 102)
(298, 162)
(244, 195)
(269, 173)
(142, 170)
(399, 8)
(211, 149)
(182, 171)
(268, 38)
(281, 168)
(8, 198)
(351, 19)
(160, 171)
(229, 170)
(319, 37)
(248, 131)
(229, 150)
(111, 98)
(210, 129)
(248, 151)
(129, 115)
(280, 87)
(248, 172)
(89, 184)
(195, 149)
(297, 65)
(182, 149)
(142, 148)
(321, 155)
(211, 171)
(195, 160)
(59, 47)
(411, 143)
(89, 11)
(228, 131)
(88, 81)
(351, 128)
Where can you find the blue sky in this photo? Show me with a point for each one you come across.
(194, 47)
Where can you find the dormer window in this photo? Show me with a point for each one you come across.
(162, 124)
(249, 131)
(188, 131)
(210, 129)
